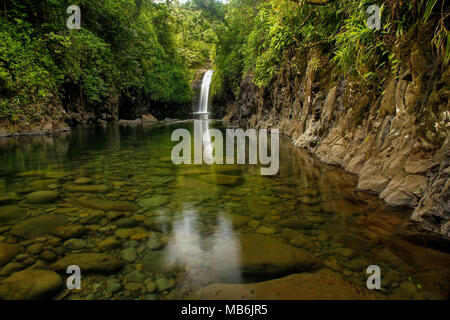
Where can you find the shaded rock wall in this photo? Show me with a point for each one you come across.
(397, 141)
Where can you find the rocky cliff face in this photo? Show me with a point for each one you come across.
(397, 142)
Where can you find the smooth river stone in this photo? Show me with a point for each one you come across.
(11, 213)
(82, 181)
(38, 226)
(154, 202)
(8, 198)
(105, 205)
(88, 262)
(30, 284)
(41, 197)
(221, 179)
(305, 286)
(8, 252)
(259, 254)
(101, 188)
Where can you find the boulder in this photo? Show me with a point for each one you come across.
(305, 286)
(105, 205)
(154, 202)
(148, 118)
(11, 213)
(30, 284)
(101, 188)
(69, 231)
(8, 252)
(88, 262)
(41, 197)
(221, 179)
(38, 226)
(259, 254)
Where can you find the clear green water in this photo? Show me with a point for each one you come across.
(186, 223)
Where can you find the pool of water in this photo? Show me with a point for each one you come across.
(114, 190)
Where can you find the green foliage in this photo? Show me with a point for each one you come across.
(260, 34)
(124, 47)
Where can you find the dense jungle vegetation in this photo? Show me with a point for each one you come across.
(259, 34)
(152, 49)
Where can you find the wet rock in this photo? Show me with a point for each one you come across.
(30, 284)
(254, 224)
(260, 254)
(158, 224)
(126, 223)
(38, 226)
(265, 230)
(9, 198)
(156, 261)
(132, 286)
(35, 248)
(154, 243)
(420, 258)
(164, 284)
(11, 213)
(88, 262)
(48, 255)
(124, 233)
(148, 118)
(83, 181)
(308, 200)
(135, 276)
(10, 268)
(41, 197)
(105, 205)
(109, 243)
(294, 287)
(42, 184)
(221, 179)
(8, 252)
(75, 244)
(344, 252)
(238, 221)
(101, 188)
(129, 254)
(372, 181)
(69, 231)
(56, 174)
(113, 285)
(150, 286)
(154, 202)
(296, 223)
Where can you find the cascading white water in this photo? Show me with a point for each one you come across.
(204, 93)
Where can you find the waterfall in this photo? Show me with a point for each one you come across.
(204, 93)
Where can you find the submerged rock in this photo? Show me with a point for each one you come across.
(258, 254)
(294, 287)
(8, 198)
(41, 197)
(38, 226)
(83, 181)
(154, 202)
(109, 243)
(101, 188)
(11, 213)
(69, 231)
(8, 252)
(221, 179)
(105, 205)
(30, 284)
(88, 262)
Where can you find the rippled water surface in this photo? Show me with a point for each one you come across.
(179, 228)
